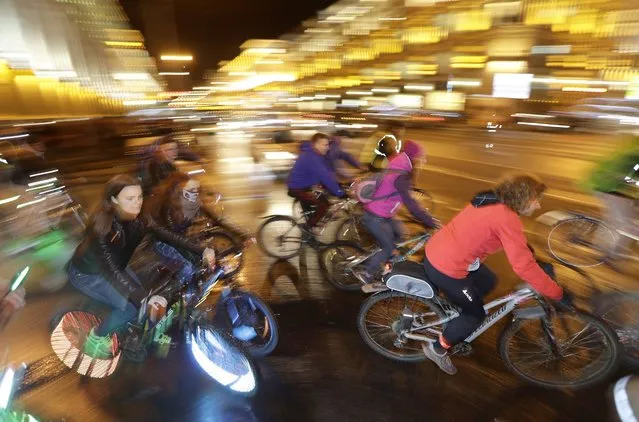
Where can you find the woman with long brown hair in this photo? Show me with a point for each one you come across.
(175, 205)
(99, 267)
(454, 257)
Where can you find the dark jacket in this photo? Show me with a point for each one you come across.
(109, 255)
(157, 172)
(336, 153)
(312, 169)
(167, 220)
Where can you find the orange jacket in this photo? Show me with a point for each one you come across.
(477, 232)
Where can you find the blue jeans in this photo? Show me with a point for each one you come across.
(387, 232)
(174, 259)
(100, 289)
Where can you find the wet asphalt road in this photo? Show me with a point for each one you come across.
(322, 370)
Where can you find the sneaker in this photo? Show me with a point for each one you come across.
(441, 360)
(98, 347)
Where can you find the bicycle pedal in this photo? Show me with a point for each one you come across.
(462, 349)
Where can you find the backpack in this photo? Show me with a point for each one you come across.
(366, 189)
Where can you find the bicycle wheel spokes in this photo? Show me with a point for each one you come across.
(580, 241)
(382, 323)
(338, 260)
(280, 237)
(581, 351)
(623, 317)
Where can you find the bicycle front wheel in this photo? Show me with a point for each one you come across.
(621, 311)
(280, 237)
(580, 241)
(250, 321)
(567, 350)
(223, 360)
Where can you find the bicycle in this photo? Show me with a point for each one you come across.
(282, 236)
(409, 311)
(580, 240)
(219, 355)
(339, 259)
(10, 380)
(11, 376)
(351, 229)
(620, 310)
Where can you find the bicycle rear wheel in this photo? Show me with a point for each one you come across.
(333, 261)
(280, 237)
(588, 350)
(379, 322)
(621, 311)
(580, 241)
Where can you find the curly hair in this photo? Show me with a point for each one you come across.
(518, 190)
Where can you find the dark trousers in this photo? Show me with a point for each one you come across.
(311, 201)
(387, 232)
(467, 293)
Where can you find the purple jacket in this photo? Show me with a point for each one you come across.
(311, 169)
(399, 183)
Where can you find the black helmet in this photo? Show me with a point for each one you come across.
(388, 145)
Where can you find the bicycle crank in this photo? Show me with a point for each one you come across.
(462, 349)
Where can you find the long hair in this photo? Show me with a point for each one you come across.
(166, 199)
(102, 218)
(518, 190)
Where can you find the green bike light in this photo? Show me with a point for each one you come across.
(19, 278)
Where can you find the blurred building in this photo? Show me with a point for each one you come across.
(423, 54)
(71, 57)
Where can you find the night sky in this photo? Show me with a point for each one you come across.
(213, 30)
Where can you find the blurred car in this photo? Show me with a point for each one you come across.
(277, 152)
(599, 117)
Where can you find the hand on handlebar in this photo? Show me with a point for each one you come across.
(208, 257)
(566, 303)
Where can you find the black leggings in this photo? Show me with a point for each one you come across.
(467, 293)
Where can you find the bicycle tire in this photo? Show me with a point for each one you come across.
(328, 272)
(574, 220)
(223, 342)
(611, 361)
(264, 242)
(256, 351)
(628, 333)
(417, 355)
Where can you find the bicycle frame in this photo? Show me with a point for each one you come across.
(509, 302)
(419, 242)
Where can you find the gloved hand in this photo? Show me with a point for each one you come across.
(566, 302)
(548, 268)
